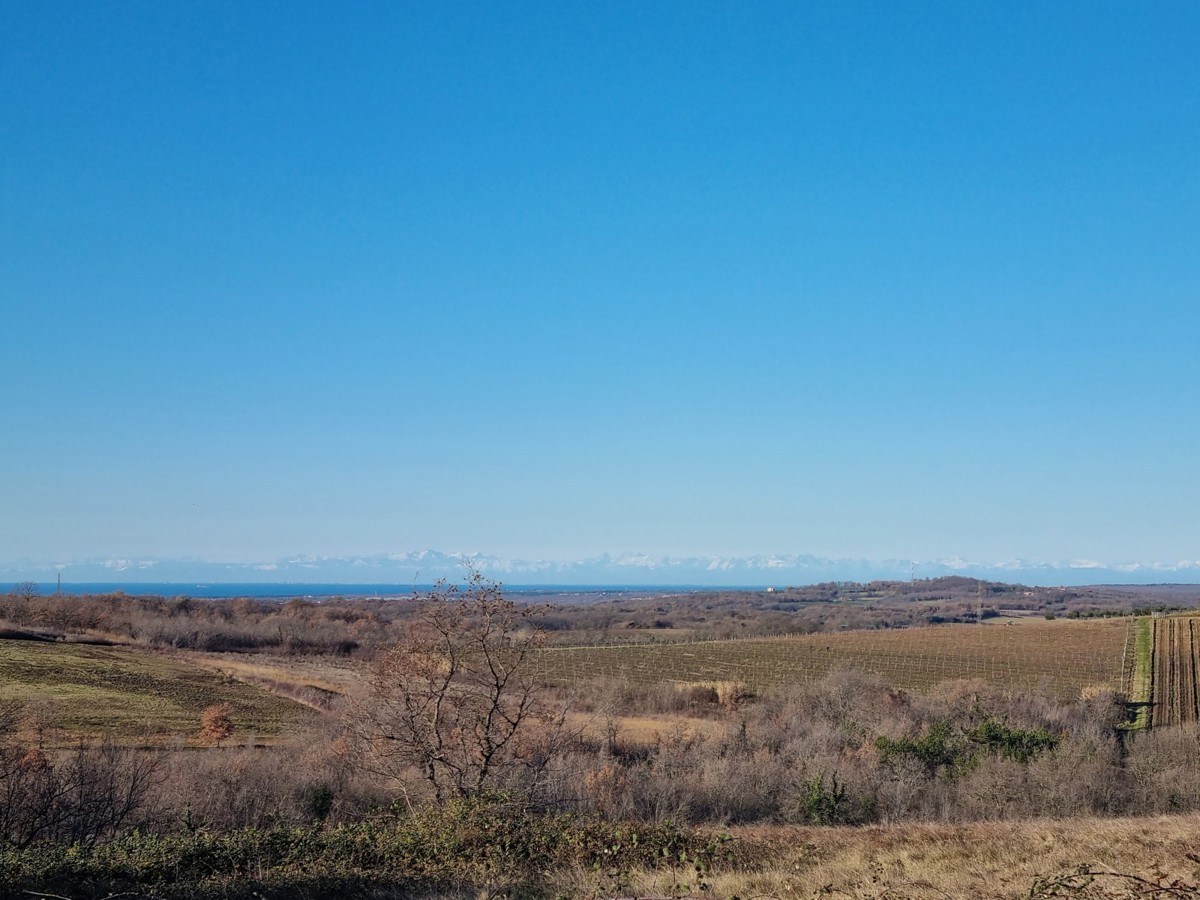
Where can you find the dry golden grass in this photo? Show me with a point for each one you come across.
(316, 681)
(644, 729)
(983, 860)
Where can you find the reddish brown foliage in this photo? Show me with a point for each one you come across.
(216, 724)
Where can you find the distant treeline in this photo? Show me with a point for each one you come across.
(1161, 608)
(349, 626)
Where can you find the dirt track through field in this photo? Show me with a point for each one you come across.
(1176, 698)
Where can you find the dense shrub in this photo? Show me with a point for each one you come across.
(463, 846)
(81, 796)
(850, 749)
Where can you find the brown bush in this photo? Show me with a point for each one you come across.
(216, 723)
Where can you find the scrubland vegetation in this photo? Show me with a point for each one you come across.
(448, 745)
(356, 627)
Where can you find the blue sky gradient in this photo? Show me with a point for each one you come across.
(550, 280)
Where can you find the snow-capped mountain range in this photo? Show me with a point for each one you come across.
(426, 566)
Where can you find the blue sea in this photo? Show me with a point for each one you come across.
(217, 590)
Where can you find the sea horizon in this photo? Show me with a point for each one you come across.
(214, 590)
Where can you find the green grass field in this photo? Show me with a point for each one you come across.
(1141, 681)
(137, 696)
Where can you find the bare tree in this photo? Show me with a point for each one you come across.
(26, 590)
(78, 797)
(455, 703)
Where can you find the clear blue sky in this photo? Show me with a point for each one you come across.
(555, 279)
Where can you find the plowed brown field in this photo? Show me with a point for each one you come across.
(1062, 657)
(1175, 696)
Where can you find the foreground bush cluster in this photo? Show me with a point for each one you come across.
(483, 845)
(846, 751)
(852, 750)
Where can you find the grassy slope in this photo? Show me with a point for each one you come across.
(78, 689)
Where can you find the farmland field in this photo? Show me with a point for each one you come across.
(1061, 657)
(1175, 698)
(78, 690)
